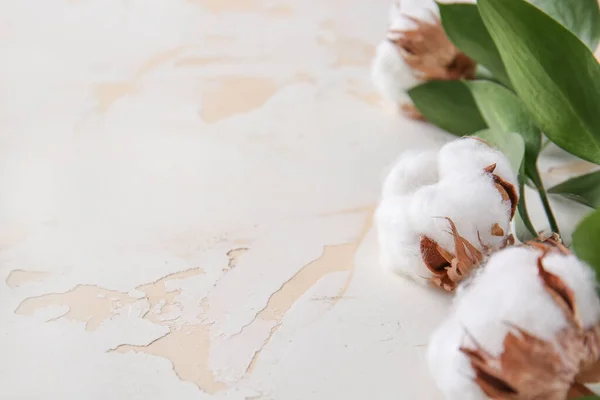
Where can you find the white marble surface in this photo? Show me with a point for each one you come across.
(187, 187)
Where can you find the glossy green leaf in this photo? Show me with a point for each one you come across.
(449, 105)
(582, 17)
(503, 110)
(463, 25)
(584, 189)
(586, 239)
(553, 72)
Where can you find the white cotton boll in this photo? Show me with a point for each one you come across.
(402, 10)
(415, 204)
(398, 242)
(412, 170)
(507, 291)
(471, 201)
(403, 218)
(399, 250)
(469, 154)
(391, 75)
(581, 278)
(450, 369)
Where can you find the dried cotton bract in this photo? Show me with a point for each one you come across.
(440, 214)
(416, 49)
(526, 327)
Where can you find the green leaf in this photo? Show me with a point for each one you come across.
(585, 241)
(482, 73)
(553, 72)
(464, 27)
(503, 110)
(584, 189)
(449, 105)
(582, 17)
(513, 147)
(510, 144)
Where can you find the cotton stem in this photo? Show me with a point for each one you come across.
(539, 185)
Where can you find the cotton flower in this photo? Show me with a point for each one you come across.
(526, 327)
(416, 49)
(476, 154)
(438, 217)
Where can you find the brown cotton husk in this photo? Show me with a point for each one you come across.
(449, 269)
(578, 390)
(497, 230)
(509, 241)
(530, 368)
(552, 243)
(562, 295)
(589, 346)
(508, 191)
(429, 52)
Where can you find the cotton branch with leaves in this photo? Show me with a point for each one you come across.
(511, 73)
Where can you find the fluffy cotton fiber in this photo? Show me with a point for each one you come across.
(507, 291)
(423, 189)
(391, 75)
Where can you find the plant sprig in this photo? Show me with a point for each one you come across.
(542, 80)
